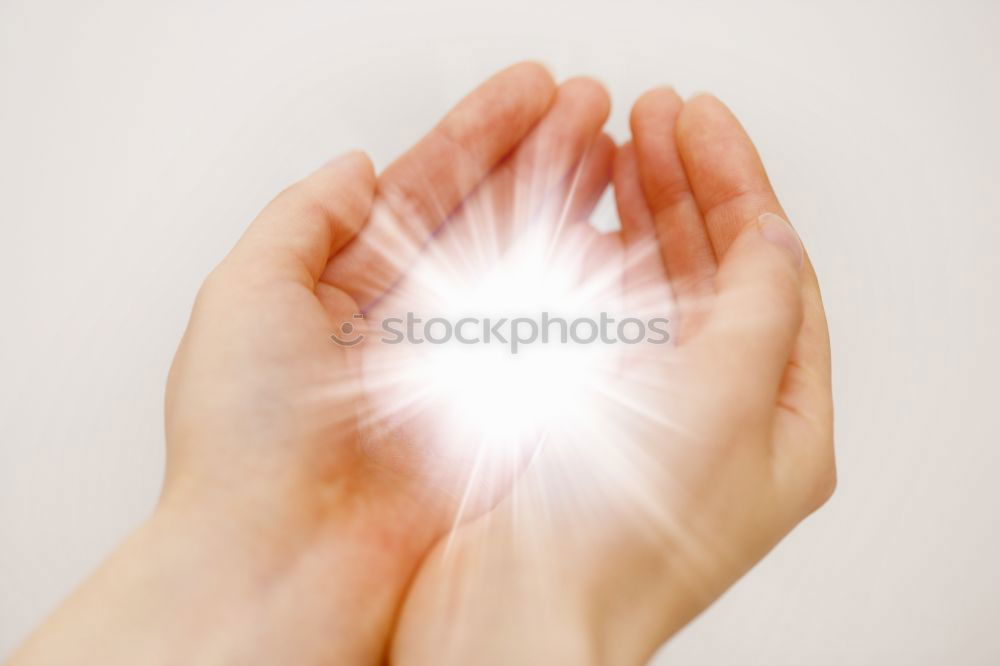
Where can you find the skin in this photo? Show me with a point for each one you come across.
(295, 516)
(287, 530)
(721, 444)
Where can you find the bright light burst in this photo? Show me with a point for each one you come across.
(489, 397)
(472, 419)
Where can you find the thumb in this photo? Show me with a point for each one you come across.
(758, 310)
(295, 235)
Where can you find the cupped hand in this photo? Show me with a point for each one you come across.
(694, 460)
(286, 531)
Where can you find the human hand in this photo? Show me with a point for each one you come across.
(285, 534)
(695, 460)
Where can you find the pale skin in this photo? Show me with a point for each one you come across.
(293, 529)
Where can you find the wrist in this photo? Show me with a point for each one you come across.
(637, 599)
(210, 587)
(585, 591)
(491, 600)
(287, 578)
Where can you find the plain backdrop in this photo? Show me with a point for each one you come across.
(137, 139)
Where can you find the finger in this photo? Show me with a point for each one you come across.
(768, 326)
(533, 183)
(732, 190)
(758, 308)
(480, 234)
(647, 291)
(687, 253)
(633, 209)
(295, 235)
(803, 428)
(725, 172)
(583, 187)
(561, 139)
(419, 190)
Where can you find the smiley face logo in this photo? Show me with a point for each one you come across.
(348, 334)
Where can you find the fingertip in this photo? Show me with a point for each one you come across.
(703, 95)
(352, 159)
(364, 160)
(532, 73)
(603, 148)
(356, 167)
(366, 167)
(590, 91)
(653, 105)
(653, 122)
(779, 232)
(703, 113)
(531, 65)
(704, 101)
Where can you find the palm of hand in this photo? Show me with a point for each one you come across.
(703, 455)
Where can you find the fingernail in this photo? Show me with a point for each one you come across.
(775, 229)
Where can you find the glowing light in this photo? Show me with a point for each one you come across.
(490, 397)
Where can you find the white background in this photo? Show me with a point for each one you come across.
(137, 139)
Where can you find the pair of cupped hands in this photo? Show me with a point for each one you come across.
(295, 529)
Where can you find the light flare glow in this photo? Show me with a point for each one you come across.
(484, 395)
